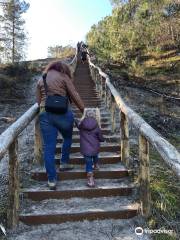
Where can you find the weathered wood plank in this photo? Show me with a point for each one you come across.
(13, 193)
(38, 156)
(144, 175)
(124, 139)
(113, 111)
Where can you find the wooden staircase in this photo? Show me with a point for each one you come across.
(115, 193)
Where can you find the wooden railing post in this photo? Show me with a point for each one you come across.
(124, 139)
(113, 116)
(105, 94)
(96, 76)
(98, 85)
(101, 87)
(92, 72)
(144, 175)
(38, 158)
(108, 96)
(13, 196)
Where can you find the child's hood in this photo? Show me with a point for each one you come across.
(89, 124)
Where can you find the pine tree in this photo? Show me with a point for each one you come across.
(14, 37)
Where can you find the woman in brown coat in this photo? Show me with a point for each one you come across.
(59, 82)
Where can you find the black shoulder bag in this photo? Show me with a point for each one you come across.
(55, 103)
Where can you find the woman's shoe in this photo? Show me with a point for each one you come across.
(90, 180)
(52, 185)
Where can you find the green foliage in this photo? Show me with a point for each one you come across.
(165, 198)
(60, 51)
(134, 28)
(136, 69)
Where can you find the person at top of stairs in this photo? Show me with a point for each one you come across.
(90, 138)
(59, 81)
(84, 53)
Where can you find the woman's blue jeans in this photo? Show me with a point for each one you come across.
(90, 160)
(50, 124)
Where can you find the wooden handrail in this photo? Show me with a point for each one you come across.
(146, 135)
(9, 143)
(168, 152)
(8, 136)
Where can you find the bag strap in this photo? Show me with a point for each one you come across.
(46, 86)
(45, 83)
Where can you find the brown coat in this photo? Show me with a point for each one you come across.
(58, 83)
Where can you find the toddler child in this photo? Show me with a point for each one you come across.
(90, 138)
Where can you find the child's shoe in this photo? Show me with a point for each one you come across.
(96, 167)
(90, 180)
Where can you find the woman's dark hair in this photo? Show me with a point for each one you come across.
(59, 67)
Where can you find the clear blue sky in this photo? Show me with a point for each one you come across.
(61, 22)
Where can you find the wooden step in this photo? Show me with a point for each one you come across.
(39, 195)
(84, 86)
(73, 217)
(69, 175)
(76, 139)
(105, 148)
(92, 105)
(91, 101)
(86, 92)
(101, 108)
(104, 131)
(91, 98)
(102, 160)
(89, 216)
(79, 209)
(90, 95)
(105, 118)
(103, 115)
